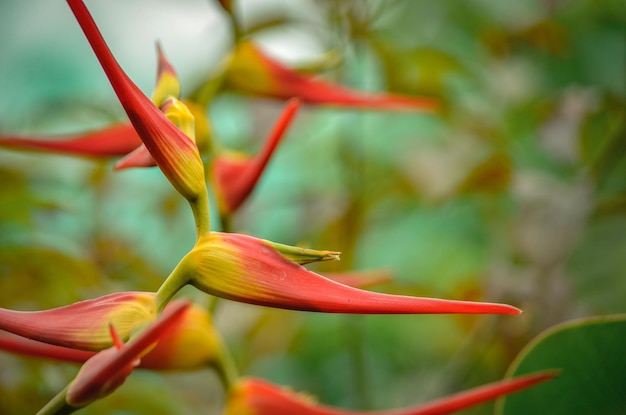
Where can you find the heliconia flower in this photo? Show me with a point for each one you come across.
(106, 371)
(115, 140)
(82, 392)
(173, 151)
(85, 324)
(118, 139)
(141, 157)
(193, 343)
(247, 269)
(165, 95)
(252, 71)
(235, 175)
(175, 111)
(167, 84)
(258, 397)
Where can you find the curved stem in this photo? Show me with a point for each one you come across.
(201, 214)
(177, 279)
(213, 302)
(226, 222)
(226, 369)
(237, 31)
(58, 405)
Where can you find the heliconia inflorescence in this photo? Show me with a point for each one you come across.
(116, 333)
(250, 270)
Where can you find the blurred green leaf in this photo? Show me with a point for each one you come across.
(590, 353)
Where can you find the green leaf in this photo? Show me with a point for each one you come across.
(591, 355)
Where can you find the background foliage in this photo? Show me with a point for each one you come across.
(514, 193)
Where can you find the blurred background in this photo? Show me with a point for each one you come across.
(515, 192)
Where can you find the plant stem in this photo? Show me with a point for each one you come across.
(58, 405)
(201, 214)
(226, 369)
(177, 279)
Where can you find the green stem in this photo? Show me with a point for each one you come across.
(213, 302)
(226, 369)
(201, 214)
(226, 222)
(58, 405)
(177, 279)
(237, 32)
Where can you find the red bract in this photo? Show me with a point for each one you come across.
(167, 84)
(193, 343)
(246, 269)
(253, 72)
(116, 140)
(27, 347)
(85, 324)
(174, 152)
(258, 397)
(106, 371)
(235, 176)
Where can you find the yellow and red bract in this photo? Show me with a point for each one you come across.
(258, 397)
(250, 270)
(84, 325)
(252, 71)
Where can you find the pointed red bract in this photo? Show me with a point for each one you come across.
(235, 178)
(106, 371)
(85, 324)
(193, 343)
(167, 84)
(115, 140)
(139, 157)
(247, 269)
(254, 72)
(174, 152)
(27, 347)
(258, 397)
